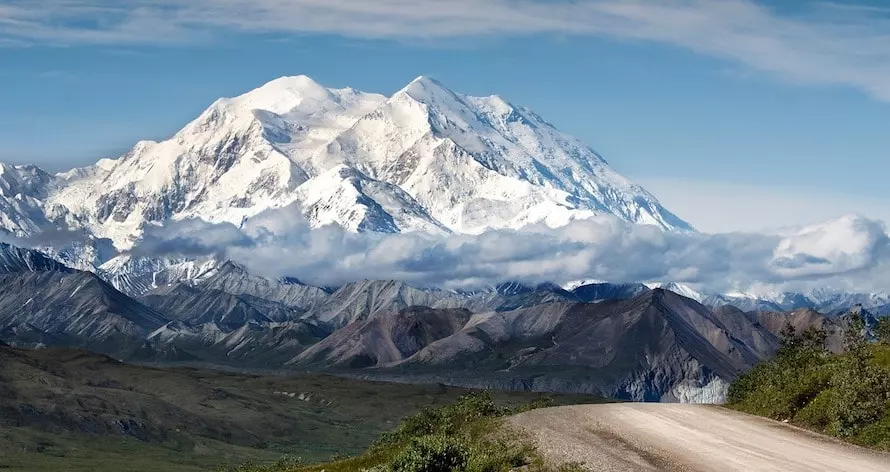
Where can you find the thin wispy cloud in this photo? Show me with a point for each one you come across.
(822, 43)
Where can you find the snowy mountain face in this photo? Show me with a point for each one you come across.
(822, 300)
(828, 301)
(14, 259)
(23, 190)
(679, 289)
(136, 276)
(426, 159)
(479, 163)
(235, 160)
(234, 279)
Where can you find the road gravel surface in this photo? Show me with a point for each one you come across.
(634, 437)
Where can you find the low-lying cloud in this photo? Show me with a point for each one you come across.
(846, 244)
(848, 253)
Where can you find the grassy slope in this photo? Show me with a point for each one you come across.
(466, 435)
(819, 392)
(64, 410)
(27, 449)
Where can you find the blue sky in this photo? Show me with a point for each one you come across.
(737, 115)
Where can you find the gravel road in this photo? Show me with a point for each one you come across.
(633, 437)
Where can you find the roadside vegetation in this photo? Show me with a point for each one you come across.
(467, 435)
(843, 395)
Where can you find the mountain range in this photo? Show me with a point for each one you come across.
(618, 340)
(823, 300)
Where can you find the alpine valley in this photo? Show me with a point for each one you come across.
(425, 160)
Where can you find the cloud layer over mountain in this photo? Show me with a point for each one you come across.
(850, 252)
(417, 185)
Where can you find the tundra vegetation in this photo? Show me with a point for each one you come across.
(72, 410)
(467, 435)
(846, 395)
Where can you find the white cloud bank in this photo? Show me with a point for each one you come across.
(819, 42)
(850, 253)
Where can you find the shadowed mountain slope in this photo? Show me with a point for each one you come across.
(655, 346)
(76, 307)
(385, 339)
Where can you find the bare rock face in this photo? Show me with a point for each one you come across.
(234, 279)
(386, 339)
(72, 308)
(656, 346)
(801, 320)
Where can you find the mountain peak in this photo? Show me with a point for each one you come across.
(294, 83)
(425, 80)
(299, 79)
(230, 267)
(678, 288)
(425, 89)
(16, 259)
(280, 95)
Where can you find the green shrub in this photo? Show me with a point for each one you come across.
(466, 436)
(446, 420)
(466, 432)
(877, 434)
(817, 413)
(862, 395)
(845, 395)
(882, 330)
(781, 388)
(437, 453)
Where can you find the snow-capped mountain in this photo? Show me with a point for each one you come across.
(238, 158)
(679, 289)
(426, 159)
(23, 190)
(478, 163)
(828, 300)
(15, 259)
(823, 300)
(137, 275)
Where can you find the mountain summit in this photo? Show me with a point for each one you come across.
(425, 159)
